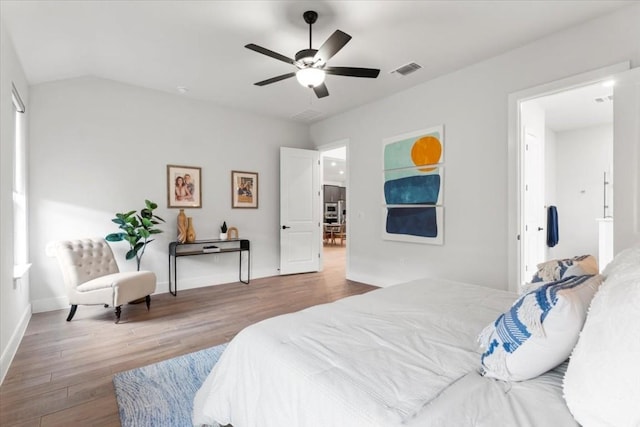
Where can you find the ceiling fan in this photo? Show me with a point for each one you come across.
(312, 63)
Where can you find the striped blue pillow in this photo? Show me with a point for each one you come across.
(539, 331)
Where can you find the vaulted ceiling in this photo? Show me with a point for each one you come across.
(199, 45)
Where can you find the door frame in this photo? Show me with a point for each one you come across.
(326, 147)
(515, 157)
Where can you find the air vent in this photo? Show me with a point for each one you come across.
(307, 115)
(602, 99)
(407, 69)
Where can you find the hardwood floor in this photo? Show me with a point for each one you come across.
(62, 373)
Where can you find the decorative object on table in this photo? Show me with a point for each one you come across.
(223, 231)
(137, 229)
(191, 232)
(232, 233)
(413, 186)
(184, 186)
(182, 226)
(244, 189)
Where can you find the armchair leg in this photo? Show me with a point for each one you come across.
(72, 312)
(118, 312)
(147, 299)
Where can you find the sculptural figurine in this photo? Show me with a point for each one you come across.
(182, 227)
(191, 232)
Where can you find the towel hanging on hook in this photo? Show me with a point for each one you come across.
(553, 235)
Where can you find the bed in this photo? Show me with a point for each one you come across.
(406, 355)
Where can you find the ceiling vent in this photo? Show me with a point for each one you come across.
(307, 115)
(407, 69)
(602, 99)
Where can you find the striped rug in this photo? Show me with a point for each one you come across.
(162, 394)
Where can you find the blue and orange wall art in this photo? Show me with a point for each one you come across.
(413, 186)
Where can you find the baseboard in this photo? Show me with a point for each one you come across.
(49, 304)
(366, 279)
(12, 347)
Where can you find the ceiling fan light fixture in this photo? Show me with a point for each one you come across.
(310, 77)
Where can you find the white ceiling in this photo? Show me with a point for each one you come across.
(200, 44)
(578, 108)
(334, 165)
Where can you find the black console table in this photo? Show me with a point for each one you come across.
(207, 247)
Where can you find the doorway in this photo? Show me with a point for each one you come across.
(572, 152)
(334, 179)
(568, 167)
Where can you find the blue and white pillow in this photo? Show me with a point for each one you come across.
(556, 269)
(539, 331)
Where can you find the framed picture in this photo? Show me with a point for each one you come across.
(244, 189)
(184, 187)
(413, 187)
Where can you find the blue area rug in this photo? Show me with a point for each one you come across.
(162, 394)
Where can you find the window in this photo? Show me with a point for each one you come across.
(20, 236)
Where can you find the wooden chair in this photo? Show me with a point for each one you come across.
(341, 234)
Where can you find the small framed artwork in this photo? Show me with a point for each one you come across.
(244, 189)
(184, 186)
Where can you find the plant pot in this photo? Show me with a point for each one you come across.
(223, 236)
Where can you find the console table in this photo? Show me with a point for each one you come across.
(207, 247)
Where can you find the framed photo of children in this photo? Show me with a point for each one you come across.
(184, 187)
(244, 189)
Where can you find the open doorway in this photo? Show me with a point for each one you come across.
(626, 134)
(566, 175)
(334, 166)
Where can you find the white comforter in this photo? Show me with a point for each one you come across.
(403, 355)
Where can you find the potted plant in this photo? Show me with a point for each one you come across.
(137, 229)
(223, 231)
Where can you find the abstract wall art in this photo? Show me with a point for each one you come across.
(413, 183)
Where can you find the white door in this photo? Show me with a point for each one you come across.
(626, 159)
(534, 233)
(299, 211)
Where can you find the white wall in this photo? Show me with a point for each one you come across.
(472, 105)
(15, 310)
(100, 147)
(582, 157)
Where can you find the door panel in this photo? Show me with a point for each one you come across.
(299, 211)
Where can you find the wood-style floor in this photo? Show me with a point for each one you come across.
(62, 373)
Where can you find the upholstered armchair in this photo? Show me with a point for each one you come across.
(92, 277)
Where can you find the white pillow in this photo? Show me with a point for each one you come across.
(539, 331)
(602, 383)
(625, 262)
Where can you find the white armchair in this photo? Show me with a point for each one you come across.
(92, 277)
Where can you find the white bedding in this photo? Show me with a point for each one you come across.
(403, 355)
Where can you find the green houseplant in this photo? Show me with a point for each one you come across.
(137, 229)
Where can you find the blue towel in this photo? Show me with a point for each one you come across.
(553, 235)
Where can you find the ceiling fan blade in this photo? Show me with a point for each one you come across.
(371, 73)
(275, 79)
(270, 53)
(321, 91)
(334, 43)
